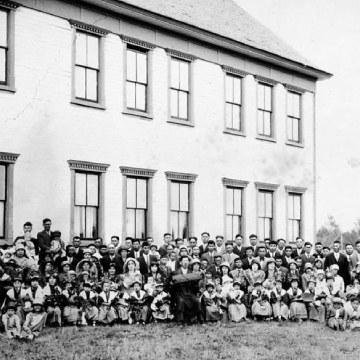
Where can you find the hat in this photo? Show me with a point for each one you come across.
(17, 278)
(19, 246)
(337, 300)
(236, 282)
(137, 282)
(123, 247)
(256, 261)
(87, 284)
(87, 251)
(34, 277)
(217, 255)
(11, 305)
(85, 273)
(320, 272)
(11, 262)
(292, 261)
(334, 266)
(270, 260)
(159, 284)
(225, 263)
(294, 278)
(153, 246)
(112, 265)
(311, 280)
(56, 233)
(97, 256)
(308, 266)
(72, 272)
(210, 283)
(38, 301)
(195, 261)
(63, 263)
(85, 262)
(256, 283)
(133, 260)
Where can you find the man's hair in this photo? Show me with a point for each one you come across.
(219, 236)
(46, 220)
(178, 239)
(145, 243)
(336, 242)
(281, 239)
(299, 237)
(205, 233)
(238, 235)
(28, 223)
(135, 240)
(76, 238)
(193, 237)
(129, 238)
(167, 234)
(116, 237)
(252, 235)
(288, 247)
(272, 242)
(229, 242)
(318, 243)
(211, 242)
(149, 237)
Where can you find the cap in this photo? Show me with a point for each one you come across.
(270, 260)
(334, 267)
(308, 266)
(318, 272)
(225, 263)
(72, 272)
(337, 300)
(311, 280)
(195, 261)
(19, 246)
(63, 263)
(11, 305)
(87, 251)
(38, 301)
(159, 284)
(56, 233)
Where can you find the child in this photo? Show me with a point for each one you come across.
(236, 309)
(279, 300)
(35, 321)
(91, 312)
(122, 307)
(71, 312)
(107, 313)
(316, 311)
(161, 304)
(261, 308)
(52, 294)
(211, 303)
(139, 309)
(336, 315)
(11, 322)
(353, 314)
(297, 307)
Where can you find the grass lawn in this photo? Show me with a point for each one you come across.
(243, 341)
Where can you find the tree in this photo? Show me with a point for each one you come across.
(351, 237)
(329, 232)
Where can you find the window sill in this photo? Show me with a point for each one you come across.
(266, 138)
(9, 88)
(180, 122)
(291, 143)
(234, 132)
(143, 115)
(87, 104)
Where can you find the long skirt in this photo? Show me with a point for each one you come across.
(187, 307)
(107, 314)
(335, 324)
(298, 311)
(72, 314)
(123, 312)
(162, 313)
(54, 315)
(212, 313)
(280, 310)
(237, 312)
(261, 309)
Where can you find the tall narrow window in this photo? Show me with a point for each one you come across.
(4, 30)
(180, 209)
(136, 207)
(294, 116)
(233, 212)
(264, 115)
(265, 214)
(294, 216)
(233, 102)
(87, 66)
(3, 177)
(180, 88)
(136, 79)
(86, 205)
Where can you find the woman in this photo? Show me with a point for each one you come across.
(293, 273)
(130, 275)
(271, 274)
(88, 266)
(318, 265)
(254, 274)
(52, 295)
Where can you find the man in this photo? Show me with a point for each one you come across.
(167, 240)
(254, 244)
(299, 248)
(205, 237)
(44, 238)
(246, 264)
(262, 258)
(116, 241)
(103, 250)
(187, 305)
(149, 240)
(357, 247)
(128, 242)
(79, 253)
(32, 248)
(326, 251)
(351, 255)
(145, 259)
(178, 244)
(111, 257)
(306, 257)
(219, 244)
(70, 257)
(215, 268)
(229, 255)
(336, 257)
(267, 244)
(192, 243)
(195, 252)
(135, 251)
(272, 252)
(281, 268)
(281, 243)
(239, 248)
(287, 258)
(98, 242)
(318, 250)
(209, 255)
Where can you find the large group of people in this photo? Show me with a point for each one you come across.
(45, 283)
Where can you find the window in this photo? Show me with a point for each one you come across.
(233, 102)
(265, 215)
(294, 117)
(137, 202)
(4, 14)
(3, 192)
(294, 216)
(180, 195)
(136, 79)
(136, 207)
(86, 205)
(180, 88)
(87, 199)
(87, 66)
(264, 115)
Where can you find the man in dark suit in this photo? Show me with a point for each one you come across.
(336, 257)
(299, 248)
(215, 268)
(205, 237)
(239, 248)
(135, 251)
(209, 255)
(287, 259)
(79, 253)
(246, 264)
(272, 252)
(111, 257)
(254, 244)
(306, 257)
(44, 238)
(70, 257)
(145, 259)
(167, 241)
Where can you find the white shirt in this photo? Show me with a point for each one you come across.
(337, 255)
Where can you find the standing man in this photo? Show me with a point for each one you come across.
(229, 255)
(111, 257)
(205, 237)
(254, 244)
(219, 244)
(299, 248)
(306, 257)
(135, 252)
(318, 250)
(79, 253)
(167, 240)
(239, 248)
(115, 240)
(209, 255)
(262, 258)
(44, 238)
(272, 252)
(146, 259)
(281, 243)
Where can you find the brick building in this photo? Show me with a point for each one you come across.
(139, 117)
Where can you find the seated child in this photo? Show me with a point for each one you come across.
(211, 301)
(279, 300)
(336, 315)
(298, 310)
(316, 311)
(161, 304)
(261, 308)
(90, 311)
(122, 307)
(52, 295)
(35, 321)
(353, 314)
(107, 313)
(11, 321)
(236, 309)
(139, 309)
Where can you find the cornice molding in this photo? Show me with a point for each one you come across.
(266, 80)
(266, 186)
(87, 166)
(131, 171)
(180, 176)
(234, 183)
(180, 55)
(8, 157)
(294, 88)
(137, 42)
(231, 70)
(9, 4)
(295, 189)
(88, 28)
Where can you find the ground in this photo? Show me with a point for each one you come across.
(245, 341)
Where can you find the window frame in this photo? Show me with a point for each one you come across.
(190, 59)
(88, 167)
(265, 187)
(182, 178)
(235, 184)
(79, 27)
(9, 7)
(140, 173)
(290, 89)
(9, 160)
(298, 191)
(141, 46)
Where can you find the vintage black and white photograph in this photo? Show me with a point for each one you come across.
(179, 179)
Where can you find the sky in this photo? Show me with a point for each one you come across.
(327, 32)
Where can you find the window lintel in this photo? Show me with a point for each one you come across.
(295, 189)
(11, 5)
(234, 183)
(233, 71)
(137, 42)
(87, 166)
(131, 171)
(88, 28)
(181, 55)
(266, 186)
(177, 176)
(266, 80)
(9, 158)
(294, 88)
